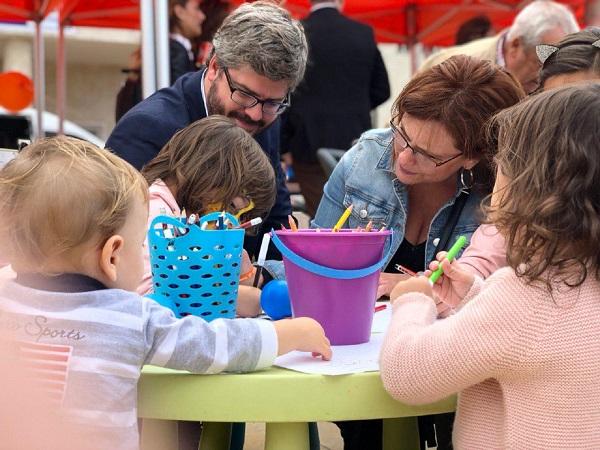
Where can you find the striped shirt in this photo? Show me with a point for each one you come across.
(109, 334)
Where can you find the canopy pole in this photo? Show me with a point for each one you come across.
(161, 24)
(39, 78)
(411, 31)
(61, 77)
(148, 51)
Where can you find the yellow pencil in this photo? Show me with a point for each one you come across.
(343, 219)
(369, 226)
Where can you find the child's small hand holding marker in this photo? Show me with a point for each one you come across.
(426, 283)
(453, 286)
(458, 245)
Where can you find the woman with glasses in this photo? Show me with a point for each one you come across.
(423, 177)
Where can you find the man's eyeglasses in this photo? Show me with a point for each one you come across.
(423, 158)
(248, 100)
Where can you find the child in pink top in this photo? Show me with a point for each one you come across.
(523, 352)
(211, 165)
(573, 59)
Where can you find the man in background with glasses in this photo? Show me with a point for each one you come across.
(258, 58)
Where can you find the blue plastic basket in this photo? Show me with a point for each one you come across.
(195, 271)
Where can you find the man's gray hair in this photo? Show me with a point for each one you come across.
(265, 37)
(540, 17)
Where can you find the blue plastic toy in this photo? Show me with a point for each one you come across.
(196, 271)
(275, 300)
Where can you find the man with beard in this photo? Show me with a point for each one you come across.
(258, 58)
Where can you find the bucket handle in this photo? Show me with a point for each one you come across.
(317, 269)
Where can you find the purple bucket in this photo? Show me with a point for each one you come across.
(333, 278)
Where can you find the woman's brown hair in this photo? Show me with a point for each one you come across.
(549, 211)
(213, 161)
(462, 93)
(174, 21)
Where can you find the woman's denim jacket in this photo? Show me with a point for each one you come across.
(364, 178)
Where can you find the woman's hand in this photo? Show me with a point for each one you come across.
(387, 281)
(412, 284)
(453, 285)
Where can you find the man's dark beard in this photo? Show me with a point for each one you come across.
(215, 106)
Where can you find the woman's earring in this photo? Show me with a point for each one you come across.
(466, 179)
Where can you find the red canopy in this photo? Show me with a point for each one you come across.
(101, 13)
(430, 22)
(23, 10)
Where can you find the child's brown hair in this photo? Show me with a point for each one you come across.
(60, 195)
(549, 211)
(213, 161)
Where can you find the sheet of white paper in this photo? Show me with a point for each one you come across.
(346, 359)
(381, 320)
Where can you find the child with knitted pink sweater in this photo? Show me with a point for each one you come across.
(523, 351)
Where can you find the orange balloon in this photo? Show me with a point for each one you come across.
(16, 91)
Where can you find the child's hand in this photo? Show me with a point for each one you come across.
(387, 281)
(246, 269)
(413, 284)
(246, 263)
(248, 301)
(453, 285)
(303, 334)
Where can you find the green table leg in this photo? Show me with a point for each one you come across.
(401, 434)
(215, 436)
(159, 435)
(287, 436)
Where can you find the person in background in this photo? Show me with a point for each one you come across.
(592, 13)
(523, 353)
(475, 28)
(215, 12)
(345, 79)
(424, 178)
(185, 25)
(242, 81)
(540, 22)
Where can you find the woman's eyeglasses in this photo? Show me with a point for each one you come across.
(423, 158)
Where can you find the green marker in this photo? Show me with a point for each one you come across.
(458, 245)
